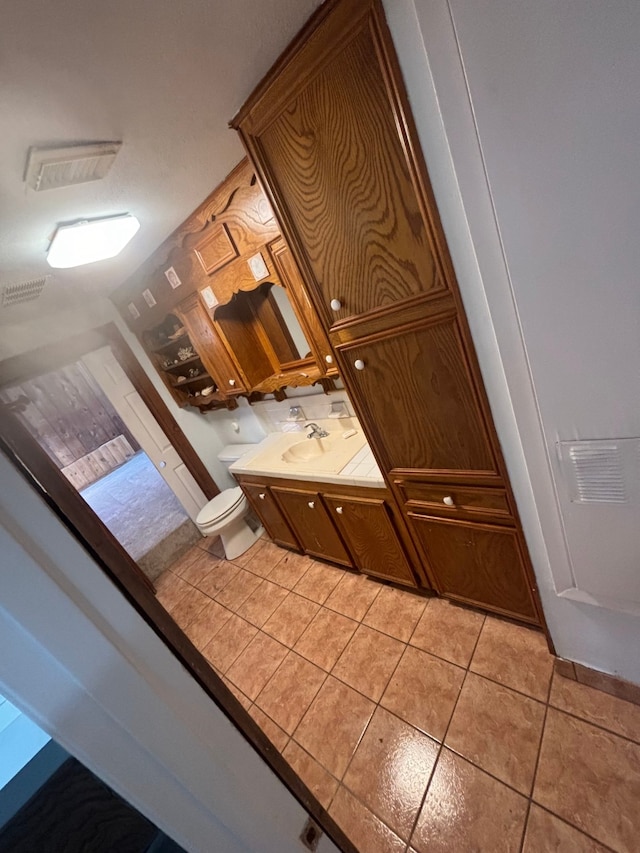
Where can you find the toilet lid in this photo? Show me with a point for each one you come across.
(221, 505)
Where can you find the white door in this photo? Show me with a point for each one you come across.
(115, 383)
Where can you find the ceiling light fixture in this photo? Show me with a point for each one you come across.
(85, 242)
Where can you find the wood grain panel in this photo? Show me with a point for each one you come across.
(236, 277)
(419, 400)
(99, 462)
(69, 415)
(215, 249)
(477, 563)
(213, 353)
(312, 524)
(332, 136)
(467, 502)
(270, 317)
(366, 527)
(270, 514)
(339, 163)
(304, 310)
(237, 325)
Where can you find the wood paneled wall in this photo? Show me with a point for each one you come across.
(70, 417)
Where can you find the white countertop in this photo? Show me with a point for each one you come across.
(346, 461)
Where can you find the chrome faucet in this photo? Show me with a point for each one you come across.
(316, 431)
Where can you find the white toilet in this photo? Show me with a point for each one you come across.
(224, 516)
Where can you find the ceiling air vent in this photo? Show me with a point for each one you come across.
(599, 471)
(51, 168)
(13, 294)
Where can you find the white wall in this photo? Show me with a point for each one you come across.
(86, 668)
(528, 116)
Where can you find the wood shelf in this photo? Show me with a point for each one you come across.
(193, 379)
(173, 367)
(169, 344)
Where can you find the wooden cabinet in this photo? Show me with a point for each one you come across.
(330, 132)
(476, 563)
(435, 423)
(215, 356)
(229, 276)
(270, 515)
(366, 526)
(312, 524)
(350, 525)
(185, 372)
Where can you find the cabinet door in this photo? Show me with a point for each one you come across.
(416, 394)
(270, 515)
(477, 563)
(215, 357)
(329, 134)
(312, 524)
(368, 530)
(304, 311)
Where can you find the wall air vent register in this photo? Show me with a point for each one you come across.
(25, 291)
(52, 168)
(600, 471)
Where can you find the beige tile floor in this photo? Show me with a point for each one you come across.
(421, 726)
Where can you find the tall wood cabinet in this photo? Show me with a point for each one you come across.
(227, 279)
(331, 135)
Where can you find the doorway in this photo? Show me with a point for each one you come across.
(90, 420)
(44, 476)
(121, 465)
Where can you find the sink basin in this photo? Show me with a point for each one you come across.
(293, 455)
(311, 448)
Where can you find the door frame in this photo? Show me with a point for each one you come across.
(27, 365)
(130, 705)
(25, 447)
(41, 473)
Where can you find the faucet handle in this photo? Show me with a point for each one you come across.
(338, 409)
(295, 413)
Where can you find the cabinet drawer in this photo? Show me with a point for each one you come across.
(368, 530)
(312, 524)
(270, 515)
(456, 501)
(477, 563)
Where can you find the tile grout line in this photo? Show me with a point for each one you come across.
(442, 743)
(535, 769)
(377, 704)
(290, 650)
(572, 826)
(407, 643)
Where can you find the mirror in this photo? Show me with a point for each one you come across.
(279, 295)
(273, 309)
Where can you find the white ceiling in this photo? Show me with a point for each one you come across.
(163, 77)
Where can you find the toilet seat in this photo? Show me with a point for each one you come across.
(223, 505)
